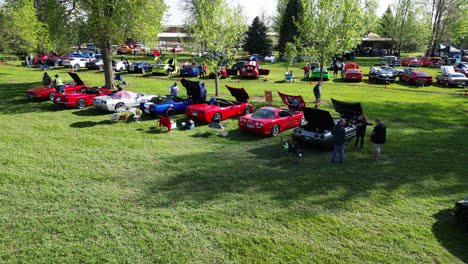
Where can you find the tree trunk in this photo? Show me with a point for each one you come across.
(216, 83)
(106, 49)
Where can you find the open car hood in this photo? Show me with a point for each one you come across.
(239, 93)
(347, 110)
(294, 102)
(318, 119)
(193, 90)
(76, 78)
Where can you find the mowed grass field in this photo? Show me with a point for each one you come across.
(75, 187)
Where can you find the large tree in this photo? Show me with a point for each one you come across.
(411, 30)
(331, 27)
(288, 29)
(386, 24)
(256, 39)
(20, 29)
(217, 26)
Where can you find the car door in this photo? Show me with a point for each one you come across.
(287, 119)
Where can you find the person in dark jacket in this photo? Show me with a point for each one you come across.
(317, 93)
(339, 137)
(361, 126)
(46, 80)
(378, 137)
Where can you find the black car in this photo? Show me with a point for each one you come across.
(320, 123)
(236, 68)
(461, 212)
(54, 62)
(140, 67)
(96, 64)
(381, 75)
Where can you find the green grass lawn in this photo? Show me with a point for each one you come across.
(75, 187)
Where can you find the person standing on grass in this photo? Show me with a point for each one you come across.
(46, 80)
(339, 136)
(335, 69)
(203, 92)
(378, 138)
(361, 126)
(200, 70)
(26, 63)
(174, 89)
(342, 68)
(59, 84)
(306, 71)
(317, 93)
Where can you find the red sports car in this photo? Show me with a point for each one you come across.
(45, 92)
(43, 58)
(352, 75)
(271, 121)
(252, 69)
(413, 77)
(351, 66)
(80, 99)
(426, 61)
(221, 109)
(411, 61)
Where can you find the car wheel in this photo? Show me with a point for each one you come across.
(80, 103)
(51, 95)
(169, 112)
(217, 117)
(275, 130)
(56, 64)
(168, 73)
(247, 110)
(76, 67)
(303, 121)
(120, 107)
(121, 69)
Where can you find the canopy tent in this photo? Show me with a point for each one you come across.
(373, 40)
(449, 51)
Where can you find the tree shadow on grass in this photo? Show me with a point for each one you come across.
(86, 124)
(91, 111)
(450, 234)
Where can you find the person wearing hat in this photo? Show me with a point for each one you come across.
(46, 80)
(59, 84)
(339, 136)
(378, 137)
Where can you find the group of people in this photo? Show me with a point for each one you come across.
(57, 83)
(377, 138)
(174, 90)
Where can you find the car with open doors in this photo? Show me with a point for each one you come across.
(218, 109)
(270, 121)
(45, 92)
(320, 123)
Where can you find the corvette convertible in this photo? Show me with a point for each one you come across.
(45, 92)
(220, 109)
(80, 99)
(121, 100)
(169, 105)
(271, 121)
(320, 123)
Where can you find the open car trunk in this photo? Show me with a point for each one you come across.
(318, 120)
(193, 90)
(239, 93)
(347, 110)
(263, 72)
(294, 102)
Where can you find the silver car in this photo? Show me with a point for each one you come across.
(451, 78)
(320, 123)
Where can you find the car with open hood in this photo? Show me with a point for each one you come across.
(252, 69)
(189, 71)
(461, 212)
(320, 123)
(270, 121)
(44, 58)
(167, 68)
(121, 100)
(170, 105)
(236, 68)
(451, 78)
(413, 76)
(45, 92)
(81, 98)
(220, 109)
(462, 67)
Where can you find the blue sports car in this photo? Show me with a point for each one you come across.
(190, 71)
(165, 105)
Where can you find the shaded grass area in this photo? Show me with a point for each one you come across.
(76, 188)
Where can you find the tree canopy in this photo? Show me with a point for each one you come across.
(288, 29)
(256, 39)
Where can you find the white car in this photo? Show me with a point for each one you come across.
(119, 101)
(270, 58)
(75, 63)
(119, 66)
(196, 54)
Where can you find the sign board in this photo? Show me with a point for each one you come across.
(269, 97)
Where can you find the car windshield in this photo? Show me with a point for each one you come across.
(353, 71)
(421, 73)
(264, 113)
(385, 72)
(458, 75)
(95, 61)
(161, 100)
(318, 70)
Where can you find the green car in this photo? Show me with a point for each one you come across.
(167, 68)
(316, 74)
